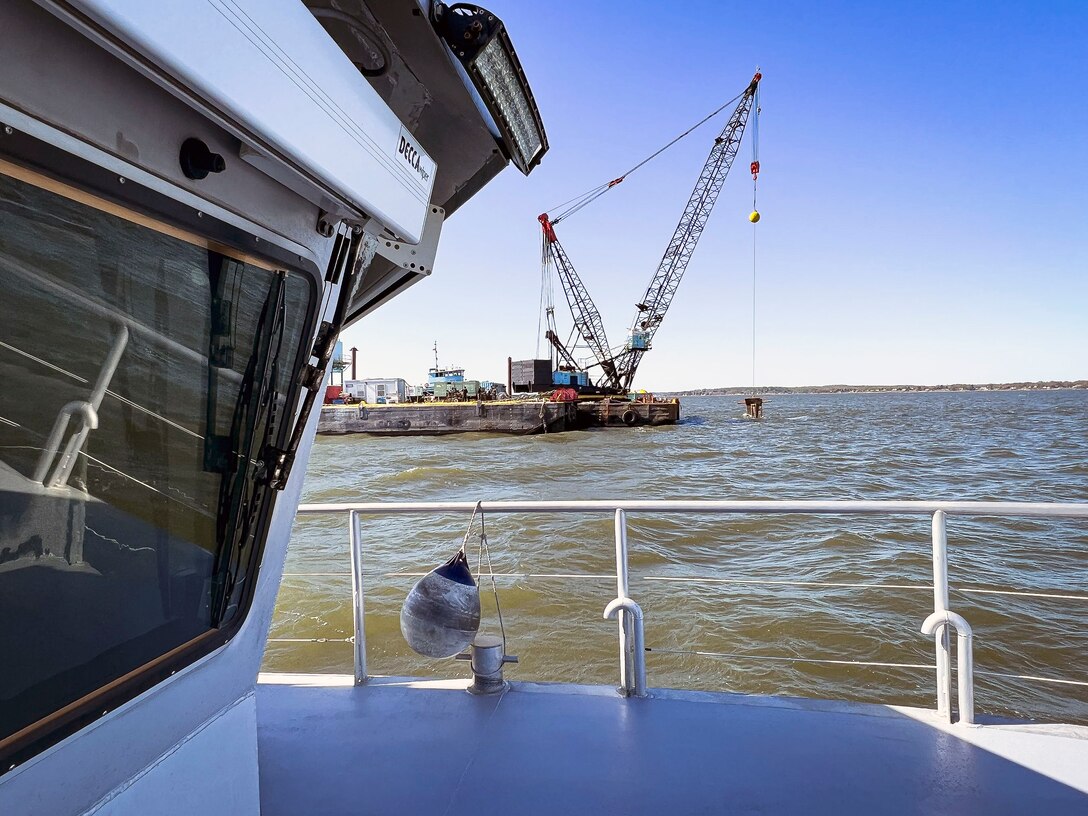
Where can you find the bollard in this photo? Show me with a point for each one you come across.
(486, 654)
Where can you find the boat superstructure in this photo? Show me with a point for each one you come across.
(194, 199)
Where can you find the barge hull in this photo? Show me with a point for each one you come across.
(439, 419)
(609, 413)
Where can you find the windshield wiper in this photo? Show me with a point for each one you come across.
(237, 455)
(350, 256)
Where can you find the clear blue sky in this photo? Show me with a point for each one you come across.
(924, 194)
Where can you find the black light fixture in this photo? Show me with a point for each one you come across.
(479, 41)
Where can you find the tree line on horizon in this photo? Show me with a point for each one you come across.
(1040, 385)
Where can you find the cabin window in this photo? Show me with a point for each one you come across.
(142, 372)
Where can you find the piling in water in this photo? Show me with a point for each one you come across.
(753, 407)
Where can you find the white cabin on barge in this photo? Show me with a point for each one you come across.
(378, 390)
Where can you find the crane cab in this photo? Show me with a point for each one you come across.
(638, 340)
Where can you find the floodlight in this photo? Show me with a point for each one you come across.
(479, 41)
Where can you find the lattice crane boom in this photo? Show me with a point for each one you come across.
(618, 370)
(659, 294)
(587, 320)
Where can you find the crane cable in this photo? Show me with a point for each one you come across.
(753, 306)
(589, 196)
(547, 297)
(573, 205)
(754, 218)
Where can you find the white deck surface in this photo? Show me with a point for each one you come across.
(398, 746)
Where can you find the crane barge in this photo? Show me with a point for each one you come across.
(618, 366)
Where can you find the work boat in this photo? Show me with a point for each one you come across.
(195, 198)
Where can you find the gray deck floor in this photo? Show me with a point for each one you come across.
(420, 747)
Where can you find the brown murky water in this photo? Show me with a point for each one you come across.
(971, 446)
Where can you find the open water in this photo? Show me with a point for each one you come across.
(767, 611)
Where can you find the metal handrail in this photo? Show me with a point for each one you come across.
(633, 680)
(758, 506)
(87, 410)
(632, 662)
(939, 622)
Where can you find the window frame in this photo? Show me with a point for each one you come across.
(46, 166)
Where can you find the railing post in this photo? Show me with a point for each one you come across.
(940, 604)
(357, 601)
(622, 592)
(965, 673)
(87, 411)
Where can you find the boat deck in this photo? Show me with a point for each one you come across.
(412, 746)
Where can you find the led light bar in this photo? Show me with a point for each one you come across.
(479, 41)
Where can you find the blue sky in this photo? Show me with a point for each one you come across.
(924, 192)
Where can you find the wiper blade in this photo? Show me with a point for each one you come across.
(351, 256)
(252, 421)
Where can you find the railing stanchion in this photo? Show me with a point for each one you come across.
(940, 604)
(626, 673)
(357, 602)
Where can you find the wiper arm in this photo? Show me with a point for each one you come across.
(237, 454)
(350, 256)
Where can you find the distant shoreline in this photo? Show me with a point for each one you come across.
(761, 391)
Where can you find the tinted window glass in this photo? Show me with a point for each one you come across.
(142, 371)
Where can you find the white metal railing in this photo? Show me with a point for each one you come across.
(632, 662)
(87, 410)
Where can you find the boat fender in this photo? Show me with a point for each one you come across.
(441, 615)
(629, 418)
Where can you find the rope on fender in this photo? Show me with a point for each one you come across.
(483, 549)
